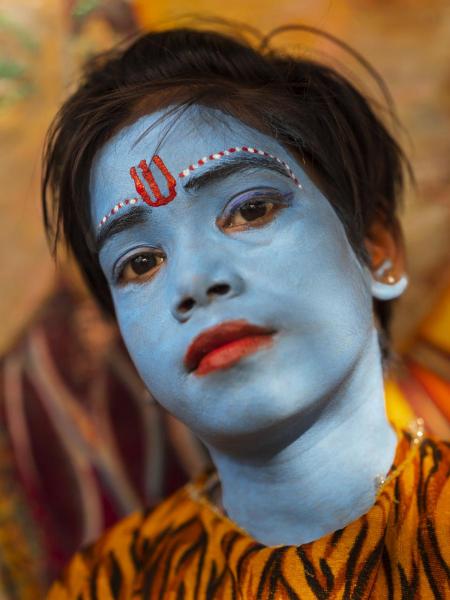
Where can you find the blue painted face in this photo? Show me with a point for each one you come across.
(245, 243)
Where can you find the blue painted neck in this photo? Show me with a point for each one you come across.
(324, 478)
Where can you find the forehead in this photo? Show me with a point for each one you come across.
(180, 140)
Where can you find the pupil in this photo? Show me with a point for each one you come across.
(253, 210)
(142, 264)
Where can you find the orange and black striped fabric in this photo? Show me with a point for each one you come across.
(187, 550)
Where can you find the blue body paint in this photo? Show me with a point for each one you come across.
(297, 430)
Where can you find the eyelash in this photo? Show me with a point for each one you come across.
(119, 269)
(270, 196)
(256, 197)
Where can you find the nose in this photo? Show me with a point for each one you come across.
(201, 290)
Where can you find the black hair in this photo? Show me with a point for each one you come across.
(309, 107)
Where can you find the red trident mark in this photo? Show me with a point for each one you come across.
(171, 182)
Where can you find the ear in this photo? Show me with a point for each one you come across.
(387, 261)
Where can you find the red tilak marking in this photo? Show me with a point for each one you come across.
(148, 176)
(171, 182)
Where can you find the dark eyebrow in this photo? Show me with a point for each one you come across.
(216, 171)
(228, 165)
(136, 215)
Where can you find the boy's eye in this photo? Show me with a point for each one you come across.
(253, 209)
(250, 211)
(139, 267)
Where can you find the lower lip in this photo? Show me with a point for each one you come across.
(229, 354)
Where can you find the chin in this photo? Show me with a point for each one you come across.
(274, 394)
(254, 406)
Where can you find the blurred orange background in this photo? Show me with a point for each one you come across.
(43, 44)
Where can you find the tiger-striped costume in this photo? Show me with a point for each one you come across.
(187, 550)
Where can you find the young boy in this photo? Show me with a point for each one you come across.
(235, 209)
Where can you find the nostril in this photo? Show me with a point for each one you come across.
(219, 289)
(186, 305)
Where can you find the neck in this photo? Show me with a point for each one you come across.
(324, 478)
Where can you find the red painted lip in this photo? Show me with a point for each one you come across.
(225, 344)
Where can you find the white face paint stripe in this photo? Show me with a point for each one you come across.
(215, 156)
(115, 209)
(219, 155)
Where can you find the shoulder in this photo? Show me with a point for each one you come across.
(427, 478)
(433, 464)
(113, 561)
(433, 482)
(432, 504)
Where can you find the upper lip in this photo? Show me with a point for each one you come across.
(217, 336)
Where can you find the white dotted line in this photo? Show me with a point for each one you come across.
(117, 207)
(200, 163)
(222, 153)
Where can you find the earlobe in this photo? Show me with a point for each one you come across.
(387, 272)
(387, 286)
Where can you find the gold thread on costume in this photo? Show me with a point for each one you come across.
(417, 431)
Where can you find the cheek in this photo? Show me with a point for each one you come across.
(314, 261)
(145, 325)
(326, 291)
(141, 323)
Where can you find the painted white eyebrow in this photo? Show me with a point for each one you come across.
(216, 156)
